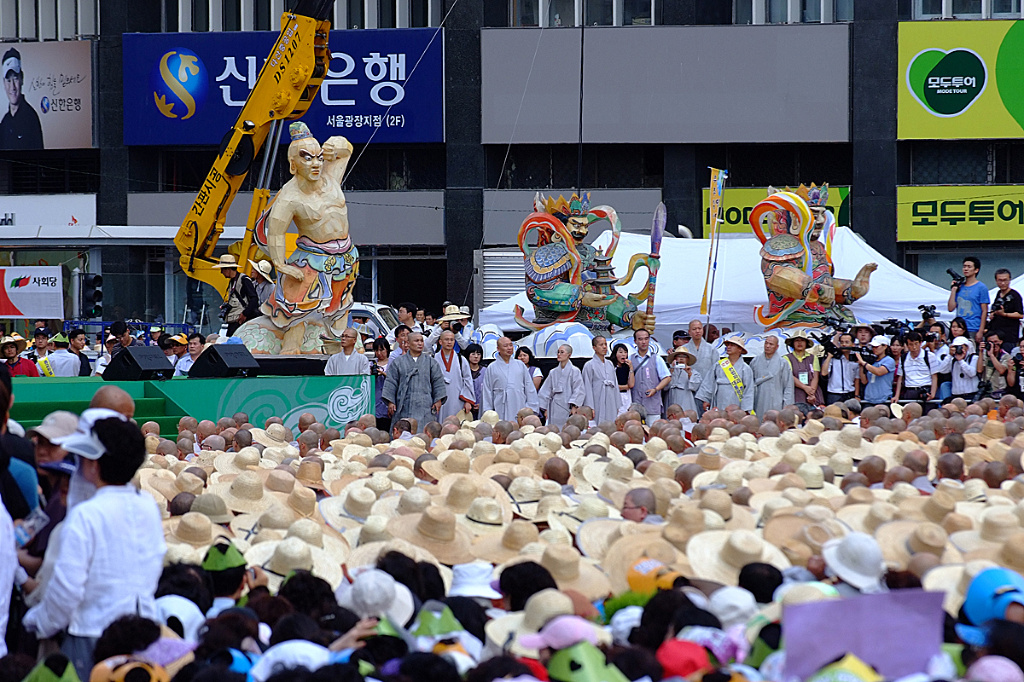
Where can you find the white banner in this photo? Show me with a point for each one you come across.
(35, 292)
(47, 210)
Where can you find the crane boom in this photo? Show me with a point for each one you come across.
(287, 84)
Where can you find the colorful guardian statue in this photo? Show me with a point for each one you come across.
(568, 280)
(797, 266)
(308, 307)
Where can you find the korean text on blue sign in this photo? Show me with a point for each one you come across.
(188, 88)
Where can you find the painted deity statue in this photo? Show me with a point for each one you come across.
(569, 280)
(308, 307)
(797, 266)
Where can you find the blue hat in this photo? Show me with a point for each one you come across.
(989, 595)
(62, 466)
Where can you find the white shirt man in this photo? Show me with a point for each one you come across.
(508, 386)
(458, 380)
(60, 363)
(195, 349)
(843, 371)
(348, 362)
(917, 377)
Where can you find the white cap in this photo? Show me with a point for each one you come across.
(12, 64)
(879, 341)
(961, 341)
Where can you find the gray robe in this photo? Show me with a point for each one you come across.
(601, 390)
(562, 389)
(707, 356)
(773, 383)
(682, 387)
(414, 386)
(508, 388)
(458, 382)
(716, 390)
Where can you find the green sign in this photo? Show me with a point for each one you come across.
(334, 401)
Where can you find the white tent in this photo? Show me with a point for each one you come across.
(739, 286)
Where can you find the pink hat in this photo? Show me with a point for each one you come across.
(561, 632)
(994, 669)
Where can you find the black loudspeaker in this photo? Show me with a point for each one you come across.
(139, 363)
(224, 360)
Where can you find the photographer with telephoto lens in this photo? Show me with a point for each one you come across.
(992, 367)
(842, 370)
(969, 298)
(935, 339)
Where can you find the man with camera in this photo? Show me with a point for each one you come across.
(842, 369)
(917, 376)
(969, 298)
(992, 365)
(963, 370)
(1006, 311)
(876, 372)
(935, 341)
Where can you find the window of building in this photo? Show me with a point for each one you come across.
(947, 162)
(638, 12)
(843, 10)
(777, 11)
(524, 13)
(1006, 8)
(355, 17)
(966, 8)
(386, 15)
(624, 166)
(231, 15)
(599, 13)
(561, 13)
(810, 11)
(742, 12)
(419, 13)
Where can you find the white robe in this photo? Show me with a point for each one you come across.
(459, 383)
(562, 389)
(601, 389)
(508, 388)
(773, 383)
(707, 356)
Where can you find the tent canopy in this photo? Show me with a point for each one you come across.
(739, 286)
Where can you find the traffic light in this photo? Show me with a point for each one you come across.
(92, 295)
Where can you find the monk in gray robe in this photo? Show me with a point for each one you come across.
(457, 378)
(706, 354)
(600, 386)
(717, 389)
(773, 378)
(686, 379)
(508, 386)
(562, 391)
(415, 385)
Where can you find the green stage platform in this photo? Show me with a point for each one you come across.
(332, 400)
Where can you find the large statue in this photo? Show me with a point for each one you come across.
(568, 280)
(308, 306)
(797, 267)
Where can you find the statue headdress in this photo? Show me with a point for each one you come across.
(814, 195)
(299, 131)
(576, 206)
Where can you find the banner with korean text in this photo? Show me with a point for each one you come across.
(188, 88)
(738, 202)
(956, 213)
(35, 292)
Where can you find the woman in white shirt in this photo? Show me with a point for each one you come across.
(525, 355)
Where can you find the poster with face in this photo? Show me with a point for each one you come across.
(47, 101)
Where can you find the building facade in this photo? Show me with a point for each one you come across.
(779, 92)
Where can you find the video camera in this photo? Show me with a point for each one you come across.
(958, 280)
(928, 311)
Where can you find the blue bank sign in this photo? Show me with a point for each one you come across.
(188, 88)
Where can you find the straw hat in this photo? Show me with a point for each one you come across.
(452, 313)
(263, 268)
(617, 469)
(411, 501)
(800, 334)
(900, 540)
(509, 544)
(227, 260)
(541, 607)
(866, 518)
(436, 530)
(280, 558)
(953, 580)
(275, 435)
(213, 506)
(737, 340)
(374, 529)
(310, 474)
(244, 494)
(313, 534)
(625, 552)
(735, 516)
(367, 554)
(589, 508)
(269, 525)
(689, 357)
(352, 508)
(848, 440)
(454, 462)
(1010, 554)
(719, 555)
(572, 572)
(997, 525)
(193, 529)
(19, 342)
(484, 517)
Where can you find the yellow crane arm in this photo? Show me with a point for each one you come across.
(286, 86)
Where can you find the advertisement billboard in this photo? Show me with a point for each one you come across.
(188, 88)
(48, 210)
(738, 202)
(956, 213)
(35, 292)
(47, 100)
(961, 80)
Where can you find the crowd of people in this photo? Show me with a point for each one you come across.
(579, 548)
